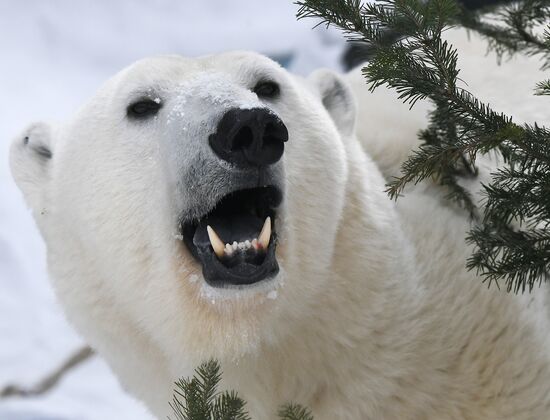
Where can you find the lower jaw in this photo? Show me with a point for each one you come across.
(263, 289)
(217, 275)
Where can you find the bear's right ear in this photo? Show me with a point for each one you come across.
(337, 99)
(30, 161)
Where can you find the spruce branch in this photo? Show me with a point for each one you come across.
(519, 257)
(511, 240)
(515, 28)
(228, 406)
(197, 398)
(543, 88)
(294, 412)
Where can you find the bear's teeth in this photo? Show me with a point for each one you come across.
(228, 250)
(265, 234)
(215, 241)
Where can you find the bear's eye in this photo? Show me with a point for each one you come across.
(144, 108)
(267, 89)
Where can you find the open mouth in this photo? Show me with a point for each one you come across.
(235, 242)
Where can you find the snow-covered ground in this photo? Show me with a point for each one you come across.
(55, 53)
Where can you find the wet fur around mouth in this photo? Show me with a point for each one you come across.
(237, 217)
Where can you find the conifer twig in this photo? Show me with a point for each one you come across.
(197, 398)
(512, 242)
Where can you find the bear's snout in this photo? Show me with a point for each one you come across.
(249, 137)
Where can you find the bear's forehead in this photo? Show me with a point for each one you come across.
(237, 66)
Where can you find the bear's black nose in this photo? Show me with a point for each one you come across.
(249, 137)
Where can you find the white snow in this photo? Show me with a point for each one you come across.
(55, 54)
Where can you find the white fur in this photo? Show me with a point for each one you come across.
(373, 314)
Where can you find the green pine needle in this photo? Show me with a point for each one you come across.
(294, 412)
(197, 398)
(543, 88)
(511, 239)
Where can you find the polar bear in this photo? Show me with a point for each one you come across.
(220, 207)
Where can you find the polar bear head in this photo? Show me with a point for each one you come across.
(192, 205)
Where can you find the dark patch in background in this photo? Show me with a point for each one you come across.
(357, 53)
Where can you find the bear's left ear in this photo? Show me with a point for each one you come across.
(337, 98)
(30, 161)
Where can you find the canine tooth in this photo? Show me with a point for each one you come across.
(265, 234)
(215, 241)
